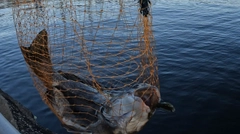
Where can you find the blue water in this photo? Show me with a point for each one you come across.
(198, 50)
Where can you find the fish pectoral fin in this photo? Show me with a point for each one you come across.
(125, 119)
(167, 106)
(120, 122)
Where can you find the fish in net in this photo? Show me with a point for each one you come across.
(92, 61)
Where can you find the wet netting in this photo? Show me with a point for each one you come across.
(84, 56)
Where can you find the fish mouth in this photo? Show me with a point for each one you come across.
(166, 106)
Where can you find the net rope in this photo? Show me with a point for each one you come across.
(107, 44)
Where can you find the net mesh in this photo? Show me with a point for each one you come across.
(105, 43)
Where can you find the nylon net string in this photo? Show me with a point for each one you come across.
(109, 44)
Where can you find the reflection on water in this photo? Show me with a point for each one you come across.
(198, 47)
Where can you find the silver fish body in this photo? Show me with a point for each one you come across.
(84, 109)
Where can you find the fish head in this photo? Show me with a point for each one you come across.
(151, 97)
(149, 94)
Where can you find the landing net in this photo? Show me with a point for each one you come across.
(108, 42)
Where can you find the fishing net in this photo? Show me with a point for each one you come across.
(105, 43)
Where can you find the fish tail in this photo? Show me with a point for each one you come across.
(38, 58)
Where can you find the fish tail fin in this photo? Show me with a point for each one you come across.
(38, 58)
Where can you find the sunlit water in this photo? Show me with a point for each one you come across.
(198, 50)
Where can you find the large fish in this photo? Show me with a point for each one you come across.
(82, 108)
